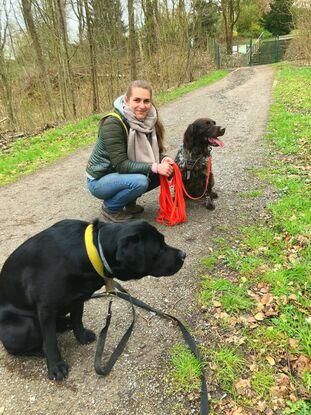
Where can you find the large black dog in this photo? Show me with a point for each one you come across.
(50, 275)
(199, 138)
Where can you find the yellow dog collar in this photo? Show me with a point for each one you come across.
(92, 252)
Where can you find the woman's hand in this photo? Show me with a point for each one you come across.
(165, 168)
(167, 159)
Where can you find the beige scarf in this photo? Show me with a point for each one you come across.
(142, 143)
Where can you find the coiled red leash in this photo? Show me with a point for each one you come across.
(173, 209)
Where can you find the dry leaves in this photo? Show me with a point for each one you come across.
(243, 387)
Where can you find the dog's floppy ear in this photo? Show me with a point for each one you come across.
(188, 137)
(130, 253)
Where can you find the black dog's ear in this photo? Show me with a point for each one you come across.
(129, 253)
(188, 137)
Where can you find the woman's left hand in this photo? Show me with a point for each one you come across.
(168, 160)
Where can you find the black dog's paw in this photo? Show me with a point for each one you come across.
(86, 336)
(209, 204)
(214, 195)
(58, 371)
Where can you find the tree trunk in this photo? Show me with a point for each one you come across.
(92, 48)
(132, 40)
(45, 82)
(6, 91)
(65, 58)
(230, 11)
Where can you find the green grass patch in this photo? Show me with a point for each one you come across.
(233, 297)
(28, 155)
(209, 262)
(294, 323)
(240, 261)
(251, 194)
(298, 408)
(168, 96)
(229, 367)
(272, 260)
(266, 339)
(284, 281)
(262, 381)
(186, 369)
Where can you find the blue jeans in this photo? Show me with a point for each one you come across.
(117, 190)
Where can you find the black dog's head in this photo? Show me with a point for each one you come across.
(202, 133)
(140, 250)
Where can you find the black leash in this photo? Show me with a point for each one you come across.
(105, 370)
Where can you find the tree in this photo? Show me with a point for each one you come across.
(93, 63)
(31, 28)
(150, 8)
(279, 20)
(132, 40)
(5, 81)
(230, 11)
(249, 23)
(205, 18)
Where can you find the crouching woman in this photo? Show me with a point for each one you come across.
(128, 159)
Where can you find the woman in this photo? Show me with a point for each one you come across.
(128, 157)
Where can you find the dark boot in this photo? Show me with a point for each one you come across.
(133, 209)
(117, 217)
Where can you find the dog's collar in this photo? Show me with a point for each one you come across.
(98, 260)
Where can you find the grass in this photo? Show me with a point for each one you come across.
(186, 369)
(251, 194)
(233, 298)
(27, 155)
(168, 96)
(228, 365)
(271, 260)
(262, 381)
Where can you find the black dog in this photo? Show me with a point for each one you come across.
(50, 275)
(192, 157)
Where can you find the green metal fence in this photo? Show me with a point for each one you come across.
(254, 52)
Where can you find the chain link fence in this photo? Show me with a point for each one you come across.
(254, 52)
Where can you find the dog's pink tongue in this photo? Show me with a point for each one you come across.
(218, 142)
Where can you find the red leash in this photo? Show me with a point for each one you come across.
(173, 209)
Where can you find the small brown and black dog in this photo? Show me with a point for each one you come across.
(199, 138)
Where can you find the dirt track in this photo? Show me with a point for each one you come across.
(137, 384)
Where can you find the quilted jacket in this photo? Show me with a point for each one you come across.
(110, 151)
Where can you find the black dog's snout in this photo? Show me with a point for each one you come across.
(182, 255)
(222, 131)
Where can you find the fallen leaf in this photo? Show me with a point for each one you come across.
(266, 299)
(303, 363)
(270, 360)
(261, 406)
(259, 316)
(293, 398)
(279, 391)
(293, 343)
(283, 379)
(243, 387)
(216, 304)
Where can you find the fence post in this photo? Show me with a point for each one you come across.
(276, 48)
(251, 60)
(217, 54)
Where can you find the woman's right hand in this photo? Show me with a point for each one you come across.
(165, 169)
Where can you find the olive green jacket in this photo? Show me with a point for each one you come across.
(110, 152)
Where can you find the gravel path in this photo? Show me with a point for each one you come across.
(137, 385)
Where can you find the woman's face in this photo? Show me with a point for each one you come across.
(139, 102)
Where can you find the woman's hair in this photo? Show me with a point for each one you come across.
(158, 125)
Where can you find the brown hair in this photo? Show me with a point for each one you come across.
(158, 125)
